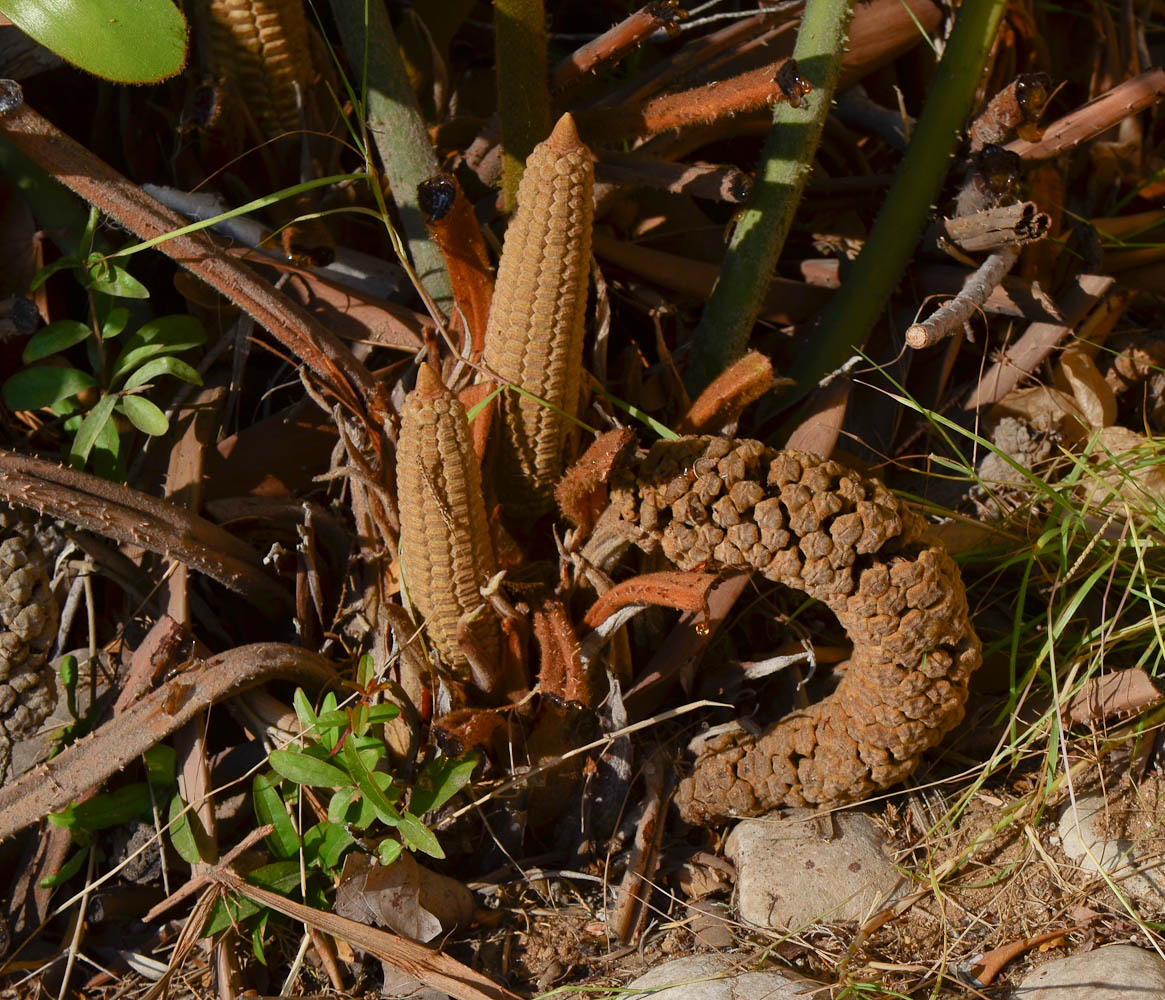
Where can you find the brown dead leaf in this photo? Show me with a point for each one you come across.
(582, 493)
(1131, 473)
(404, 897)
(668, 589)
(1122, 693)
(1077, 373)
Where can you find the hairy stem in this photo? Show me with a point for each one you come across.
(786, 161)
(523, 96)
(397, 128)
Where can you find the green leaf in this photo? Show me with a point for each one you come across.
(257, 939)
(66, 872)
(326, 842)
(439, 781)
(304, 770)
(369, 789)
(303, 710)
(339, 803)
(46, 272)
(161, 764)
(182, 837)
(112, 279)
(164, 335)
(269, 808)
(144, 415)
(388, 850)
(418, 836)
(93, 424)
(337, 720)
(279, 876)
(105, 810)
(228, 913)
(36, 387)
(365, 672)
(54, 338)
(114, 323)
(142, 42)
(165, 365)
(382, 713)
(68, 671)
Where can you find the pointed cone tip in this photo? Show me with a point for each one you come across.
(429, 384)
(565, 137)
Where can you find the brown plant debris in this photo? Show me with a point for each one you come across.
(849, 542)
(535, 335)
(446, 552)
(1014, 111)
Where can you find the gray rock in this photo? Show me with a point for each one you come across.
(791, 875)
(716, 976)
(1083, 840)
(1118, 972)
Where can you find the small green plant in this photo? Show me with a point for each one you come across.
(366, 808)
(93, 404)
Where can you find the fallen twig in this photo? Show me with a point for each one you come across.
(114, 745)
(953, 316)
(129, 515)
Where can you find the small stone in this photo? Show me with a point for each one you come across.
(1084, 841)
(717, 977)
(790, 876)
(1118, 972)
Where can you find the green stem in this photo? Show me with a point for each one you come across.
(760, 232)
(850, 315)
(397, 128)
(523, 96)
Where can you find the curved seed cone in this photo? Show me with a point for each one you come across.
(262, 45)
(847, 541)
(445, 547)
(535, 334)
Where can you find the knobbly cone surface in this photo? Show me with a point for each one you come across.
(28, 627)
(847, 541)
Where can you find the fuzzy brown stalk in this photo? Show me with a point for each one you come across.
(535, 334)
(262, 47)
(453, 226)
(445, 548)
(616, 42)
(749, 91)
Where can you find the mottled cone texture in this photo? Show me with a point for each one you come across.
(535, 333)
(844, 540)
(28, 627)
(262, 45)
(446, 551)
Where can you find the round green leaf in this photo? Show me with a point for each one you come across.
(144, 415)
(114, 280)
(165, 365)
(36, 387)
(165, 335)
(54, 338)
(139, 42)
(305, 770)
